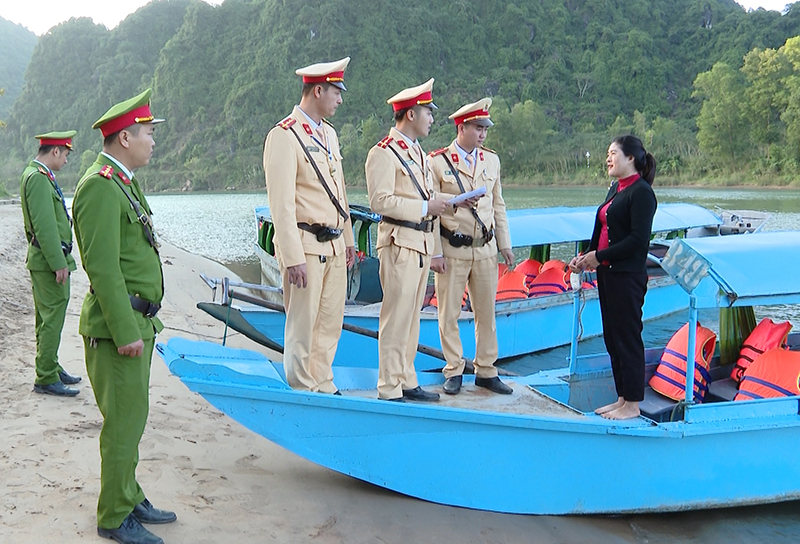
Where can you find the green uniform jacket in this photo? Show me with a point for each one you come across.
(44, 216)
(116, 256)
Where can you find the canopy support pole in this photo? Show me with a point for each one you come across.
(690, 351)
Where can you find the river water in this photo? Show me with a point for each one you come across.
(222, 227)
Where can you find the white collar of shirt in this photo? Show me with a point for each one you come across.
(45, 167)
(121, 166)
(407, 139)
(314, 124)
(463, 154)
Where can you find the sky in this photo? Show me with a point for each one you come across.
(39, 16)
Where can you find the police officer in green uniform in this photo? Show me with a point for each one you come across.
(118, 322)
(48, 228)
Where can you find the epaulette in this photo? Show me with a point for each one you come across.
(328, 123)
(383, 144)
(106, 171)
(42, 170)
(489, 150)
(438, 152)
(286, 123)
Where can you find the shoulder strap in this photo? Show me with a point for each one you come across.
(425, 196)
(143, 217)
(325, 186)
(461, 186)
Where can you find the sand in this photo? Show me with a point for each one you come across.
(225, 483)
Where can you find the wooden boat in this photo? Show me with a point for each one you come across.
(523, 326)
(549, 453)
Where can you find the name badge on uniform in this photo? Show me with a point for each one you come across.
(312, 148)
(448, 173)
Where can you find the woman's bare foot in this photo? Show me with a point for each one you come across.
(608, 407)
(628, 410)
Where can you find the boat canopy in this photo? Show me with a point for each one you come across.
(746, 270)
(533, 227)
(537, 226)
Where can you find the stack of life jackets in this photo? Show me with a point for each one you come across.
(775, 373)
(670, 376)
(767, 335)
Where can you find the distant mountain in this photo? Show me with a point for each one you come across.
(565, 74)
(16, 48)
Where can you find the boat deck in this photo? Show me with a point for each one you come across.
(523, 401)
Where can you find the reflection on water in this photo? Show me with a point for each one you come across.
(222, 227)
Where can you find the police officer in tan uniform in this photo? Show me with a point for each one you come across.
(401, 190)
(314, 241)
(466, 250)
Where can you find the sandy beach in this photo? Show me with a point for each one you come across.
(225, 483)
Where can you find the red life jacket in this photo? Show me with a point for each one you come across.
(464, 300)
(774, 374)
(511, 286)
(529, 267)
(670, 376)
(549, 282)
(767, 335)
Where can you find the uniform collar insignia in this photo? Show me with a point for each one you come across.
(454, 156)
(402, 145)
(480, 154)
(124, 178)
(307, 128)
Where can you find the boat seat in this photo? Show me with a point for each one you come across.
(656, 406)
(722, 390)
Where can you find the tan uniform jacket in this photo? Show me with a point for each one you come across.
(295, 193)
(491, 207)
(393, 193)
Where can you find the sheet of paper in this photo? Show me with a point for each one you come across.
(480, 191)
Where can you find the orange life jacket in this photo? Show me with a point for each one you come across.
(502, 268)
(529, 267)
(767, 335)
(511, 286)
(774, 374)
(553, 263)
(549, 282)
(670, 376)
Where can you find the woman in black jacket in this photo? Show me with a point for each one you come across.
(618, 251)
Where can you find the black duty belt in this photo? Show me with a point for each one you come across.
(424, 226)
(65, 247)
(458, 239)
(146, 308)
(323, 233)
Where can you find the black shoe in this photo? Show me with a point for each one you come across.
(398, 399)
(58, 389)
(337, 393)
(452, 385)
(147, 513)
(130, 532)
(66, 379)
(494, 385)
(420, 395)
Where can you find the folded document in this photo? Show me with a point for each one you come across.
(480, 191)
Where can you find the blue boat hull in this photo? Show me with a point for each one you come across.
(522, 326)
(725, 454)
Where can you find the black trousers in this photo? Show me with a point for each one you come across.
(621, 299)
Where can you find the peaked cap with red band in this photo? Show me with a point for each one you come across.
(132, 111)
(325, 72)
(57, 138)
(477, 112)
(421, 95)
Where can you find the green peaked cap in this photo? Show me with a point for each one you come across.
(55, 135)
(57, 138)
(127, 113)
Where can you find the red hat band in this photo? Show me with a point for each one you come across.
(327, 78)
(66, 142)
(471, 116)
(420, 100)
(139, 115)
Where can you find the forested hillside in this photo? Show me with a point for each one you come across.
(16, 47)
(565, 76)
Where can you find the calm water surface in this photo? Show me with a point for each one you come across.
(222, 227)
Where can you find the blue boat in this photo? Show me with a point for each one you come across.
(523, 326)
(549, 453)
